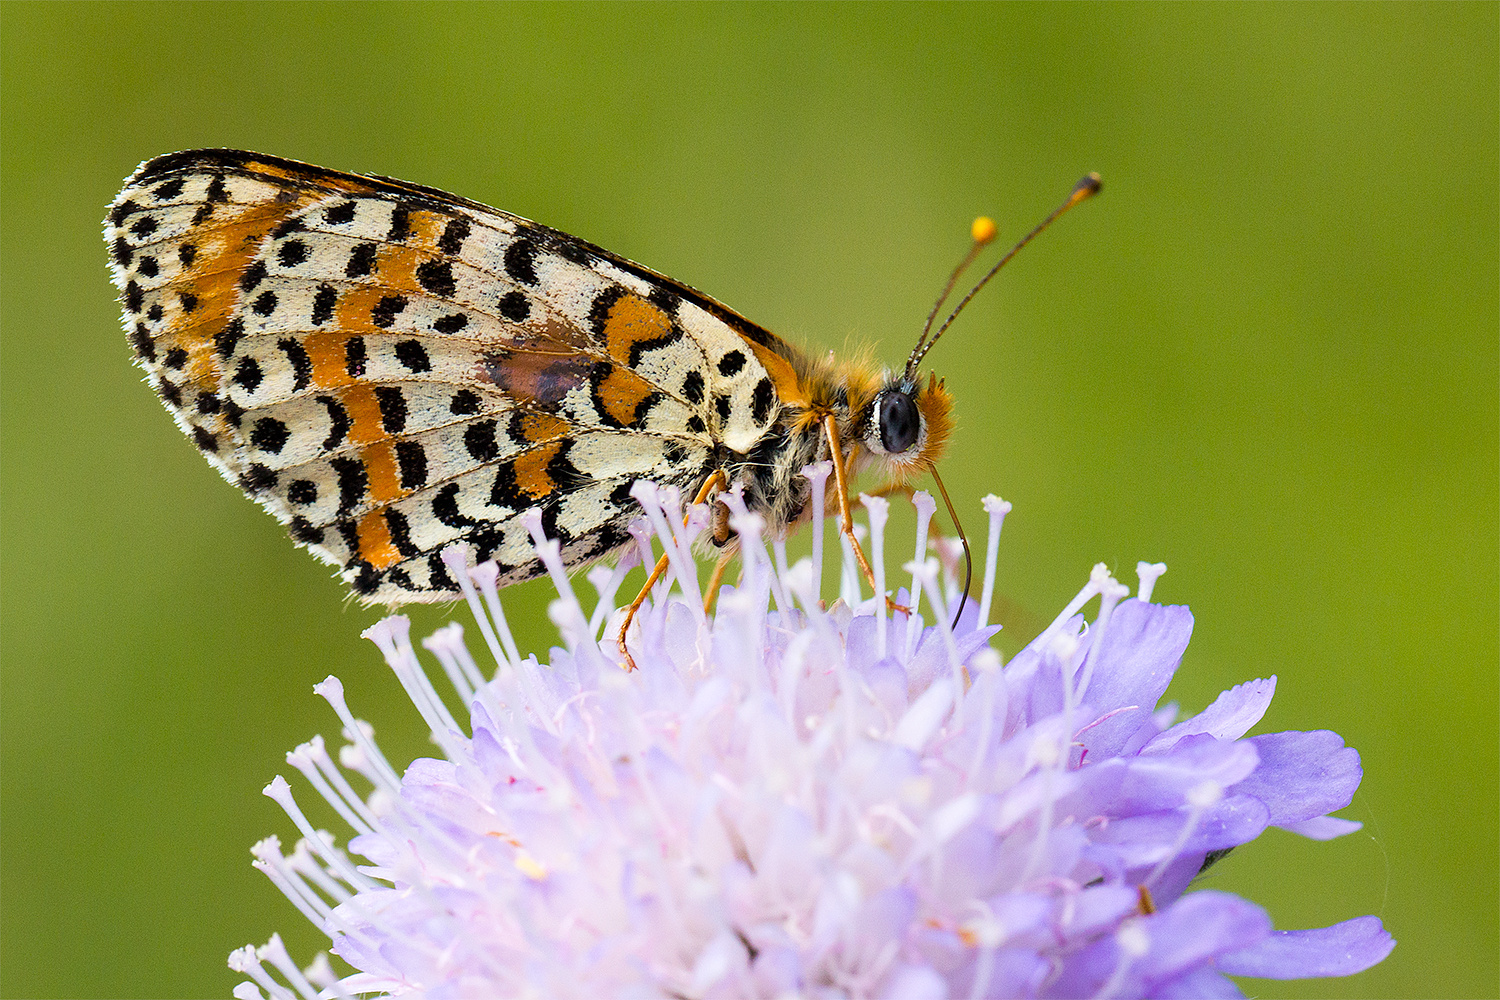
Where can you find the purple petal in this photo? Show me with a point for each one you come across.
(1302, 775)
(1143, 644)
(1202, 983)
(1229, 717)
(1341, 950)
(1143, 840)
(1198, 927)
(1162, 781)
(1323, 827)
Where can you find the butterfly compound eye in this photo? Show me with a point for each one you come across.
(899, 422)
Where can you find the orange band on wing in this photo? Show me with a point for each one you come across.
(531, 470)
(380, 467)
(375, 545)
(633, 320)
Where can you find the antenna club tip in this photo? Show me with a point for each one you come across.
(1090, 185)
(983, 230)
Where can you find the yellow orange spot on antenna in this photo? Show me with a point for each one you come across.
(983, 229)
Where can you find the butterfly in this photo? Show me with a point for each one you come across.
(389, 369)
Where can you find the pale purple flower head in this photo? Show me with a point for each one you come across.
(787, 800)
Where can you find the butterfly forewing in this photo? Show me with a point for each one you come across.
(389, 369)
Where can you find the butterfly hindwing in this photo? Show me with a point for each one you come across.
(389, 369)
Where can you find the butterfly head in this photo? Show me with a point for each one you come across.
(906, 424)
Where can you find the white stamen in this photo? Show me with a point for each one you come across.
(456, 558)
(331, 690)
(926, 506)
(996, 509)
(575, 624)
(305, 759)
(246, 960)
(275, 952)
(1111, 592)
(817, 477)
(927, 573)
(654, 501)
(1097, 576)
(281, 793)
(392, 636)
(878, 510)
(1148, 574)
(445, 644)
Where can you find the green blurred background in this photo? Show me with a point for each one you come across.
(1267, 355)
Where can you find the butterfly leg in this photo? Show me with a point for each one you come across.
(846, 516)
(715, 580)
(715, 481)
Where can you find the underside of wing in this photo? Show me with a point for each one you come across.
(388, 368)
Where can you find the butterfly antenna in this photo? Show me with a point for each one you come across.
(964, 541)
(983, 230)
(1083, 190)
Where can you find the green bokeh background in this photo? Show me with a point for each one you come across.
(1267, 355)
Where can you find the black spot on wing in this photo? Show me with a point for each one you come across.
(140, 339)
(258, 478)
(228, 338)
(392, 403)
(413, 356)
(168, 189)
(436, 276)
(304, 531)
(760, 402)
(445, 508)
(323, 303)
(354, 357)
(384, 312)
(353, 482)
(481, 442)
(301, 364)
(247, 374)
(411, 461)
(270, 435)
(361, 261)
(338, 420)
(253, 276)
(520, 261)
(515, 307)
(400, 224)
(400, 533)
(291, 253)
(464, 403)
(454, 234)
(731, 363)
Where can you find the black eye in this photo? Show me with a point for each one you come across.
(899, 422)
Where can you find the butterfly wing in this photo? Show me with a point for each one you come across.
(389, 369)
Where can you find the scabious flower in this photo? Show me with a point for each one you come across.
(787, 800)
